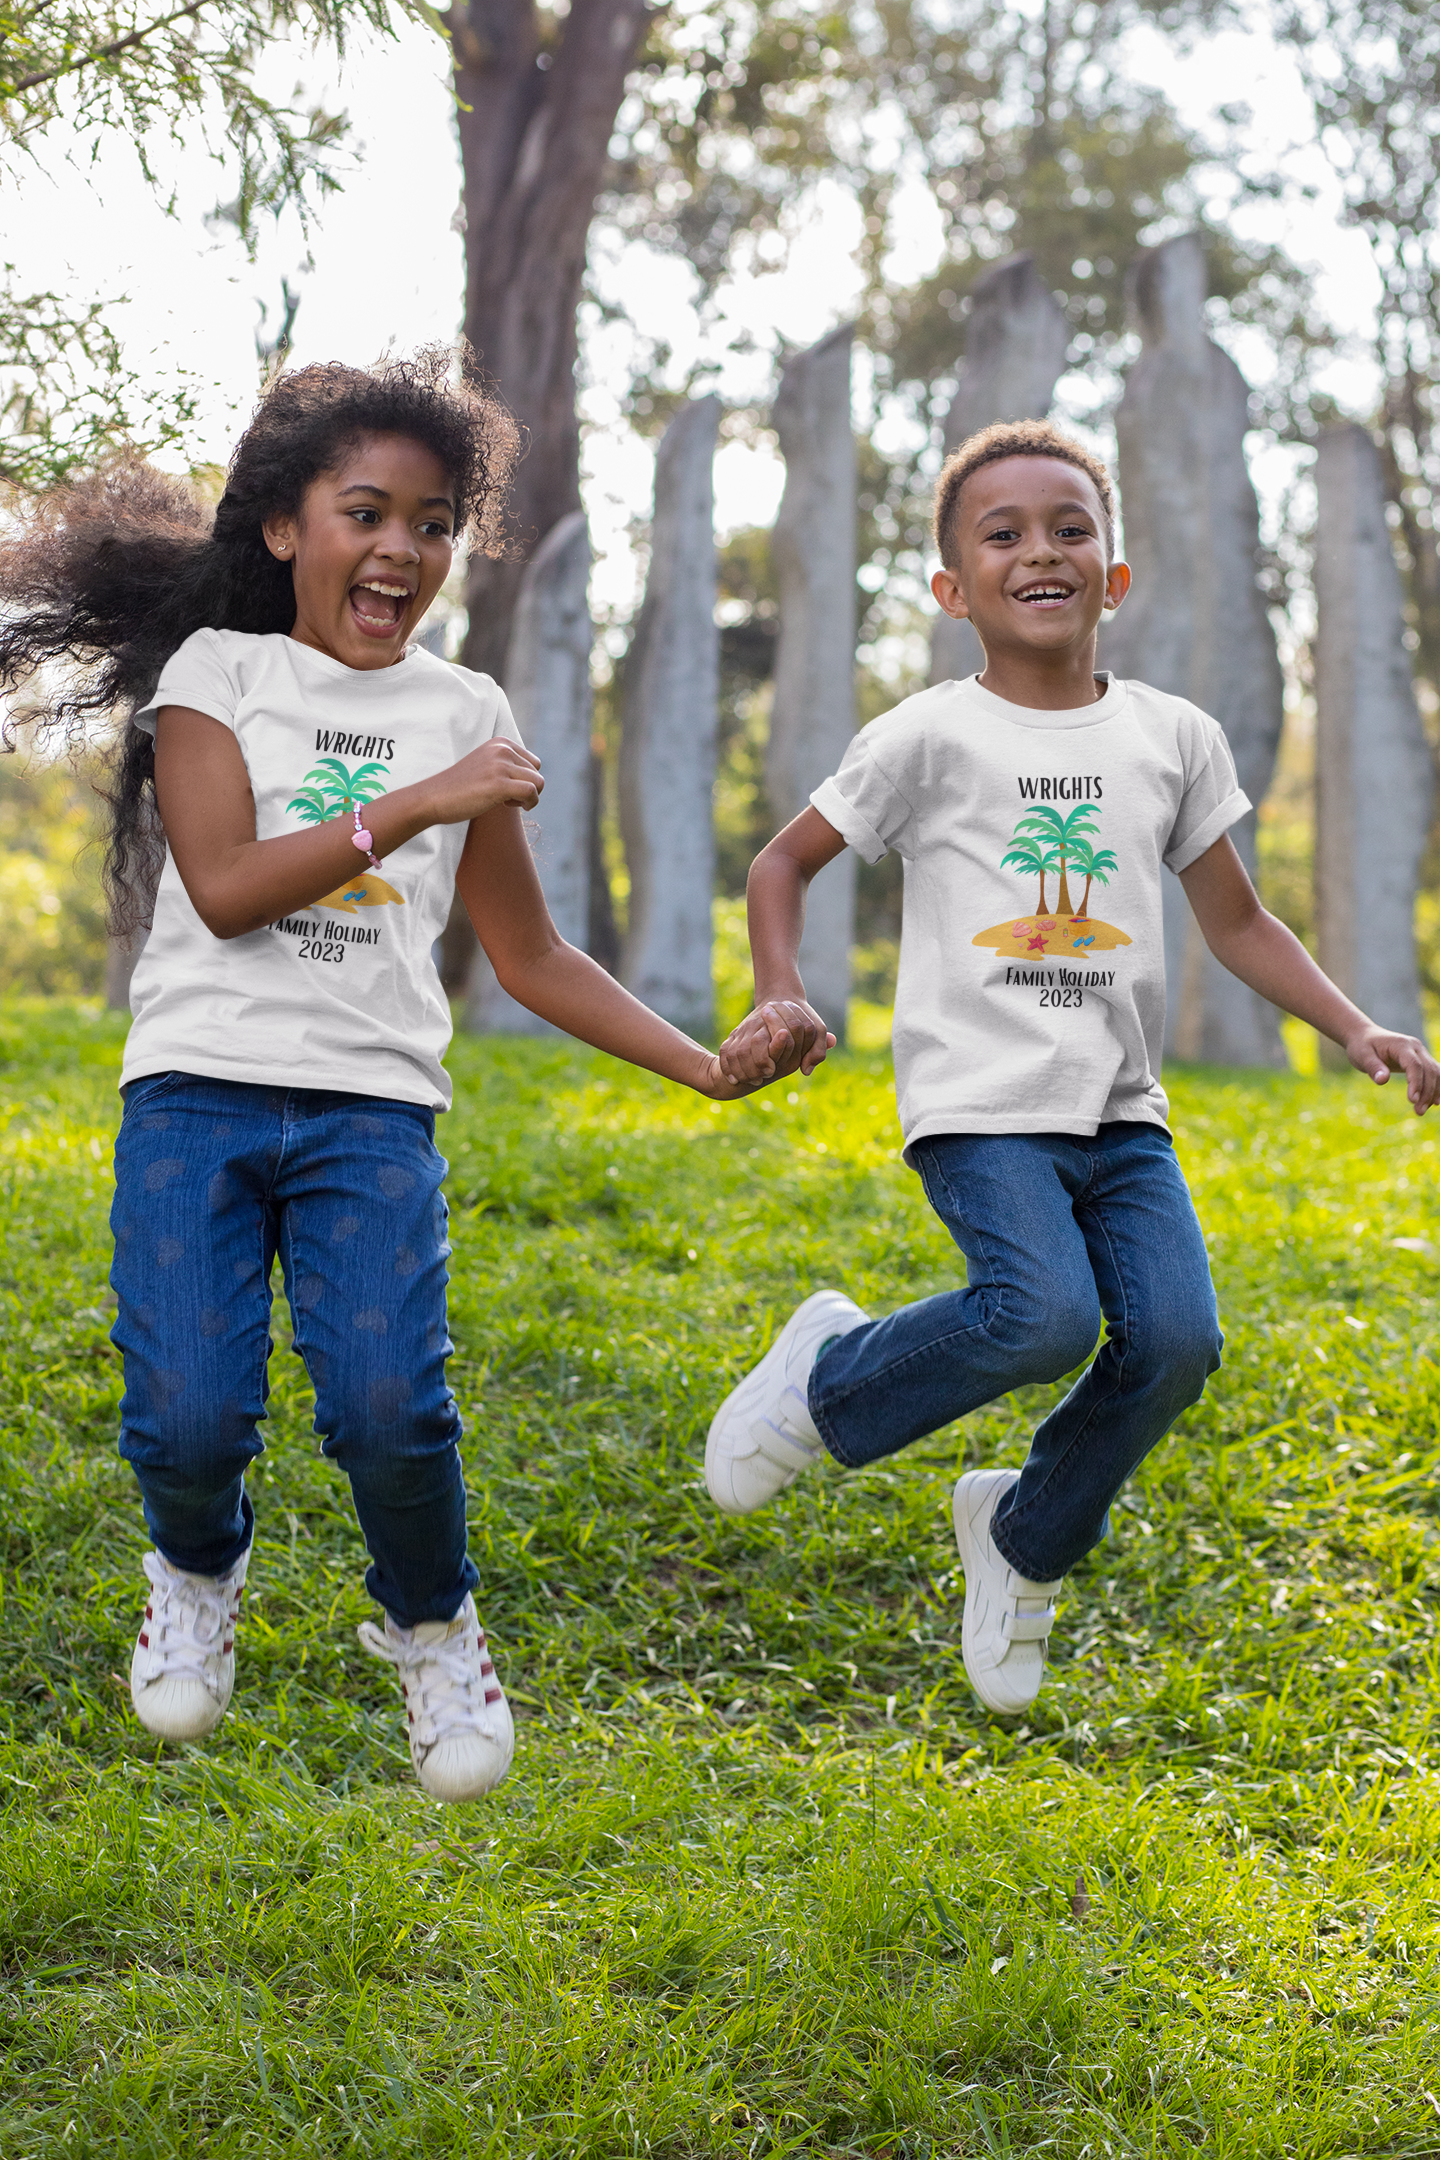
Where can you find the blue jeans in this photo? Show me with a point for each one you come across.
(1057, 1231)
(212, 1179)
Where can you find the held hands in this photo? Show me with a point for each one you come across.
(499, 773)
(782, 1036)
(1378, 1052)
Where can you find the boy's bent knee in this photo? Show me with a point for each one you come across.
(1049, 1337)
(1182, 1354)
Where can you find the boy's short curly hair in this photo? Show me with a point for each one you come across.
(1007, 439)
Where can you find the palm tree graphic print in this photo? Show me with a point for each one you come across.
(332, 790)
(1047, 844)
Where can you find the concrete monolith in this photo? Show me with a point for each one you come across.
(1015, 343)
(547, 680)
(667, 742)
(1373, 774)
(1196, 622)
(813, 715)
(121, 955)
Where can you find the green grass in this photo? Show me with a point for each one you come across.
(765, 1880)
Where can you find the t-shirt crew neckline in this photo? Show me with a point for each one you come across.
(1108, 707)
(331, 666)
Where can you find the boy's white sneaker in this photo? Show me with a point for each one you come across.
(1007, 1619)
(182, 1674)
(462, 1736)
(763, 1435)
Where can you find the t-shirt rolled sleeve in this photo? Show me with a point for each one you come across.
(863, 803)
(1180, 855)
(853, 829)
(1213, 801)
(195, 676)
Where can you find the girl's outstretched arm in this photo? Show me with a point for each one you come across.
(1269, 957)
(238, 883)
(498, 883)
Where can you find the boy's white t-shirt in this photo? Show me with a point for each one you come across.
(343, 994)
(1010, 1018)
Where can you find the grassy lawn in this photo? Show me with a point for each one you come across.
(765, 1880)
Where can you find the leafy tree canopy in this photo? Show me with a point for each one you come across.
(158, 72)
(1025, 126)
(75, 72)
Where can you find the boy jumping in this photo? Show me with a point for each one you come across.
(1033, 806)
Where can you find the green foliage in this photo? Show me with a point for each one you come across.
(765, 1879)
(51, 904)
(162, 73)
(1025, 124)
(77, 71)
(66, 396)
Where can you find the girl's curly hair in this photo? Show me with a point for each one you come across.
(109, 575)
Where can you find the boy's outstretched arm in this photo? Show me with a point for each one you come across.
(784, 1030)
(1271, 959)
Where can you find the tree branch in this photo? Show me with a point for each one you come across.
(99, 52)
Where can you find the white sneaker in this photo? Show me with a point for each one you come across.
(182, 1674)
(462, 1736)
(763, 1435)
(1007, 1620)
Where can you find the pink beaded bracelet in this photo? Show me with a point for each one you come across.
(365, 842)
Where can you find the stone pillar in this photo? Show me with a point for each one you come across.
(547, 679)
(1015, 344)
(813, 715)
(668, 731)
(1373, 774)
(121, 955)
(1196, 622)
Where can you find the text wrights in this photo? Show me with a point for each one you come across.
(1060, 790)
(361, 746)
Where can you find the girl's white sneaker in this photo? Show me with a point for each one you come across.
(462, 1736)
(763, 1435)
(182, 1674)
(1008, 1619)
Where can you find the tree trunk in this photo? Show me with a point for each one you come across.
(1064, 905)
(1084, 912)
(535, 126)
(1043, 909)
(534, 140)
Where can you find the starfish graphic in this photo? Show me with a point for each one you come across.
(1036, 944)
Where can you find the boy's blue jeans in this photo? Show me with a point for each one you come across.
(212, 1179)
(1057, 1231)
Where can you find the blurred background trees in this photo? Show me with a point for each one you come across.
(602, 132)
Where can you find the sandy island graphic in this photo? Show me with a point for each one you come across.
(366, 891)
(1044, 845)
(331, 789)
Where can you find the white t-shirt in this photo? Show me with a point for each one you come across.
(342, 994)
(1030, 1002)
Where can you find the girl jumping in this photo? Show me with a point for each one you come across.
(311, 788)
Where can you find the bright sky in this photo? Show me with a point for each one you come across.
(387, 267)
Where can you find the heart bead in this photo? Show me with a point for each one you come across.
(362, 840)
